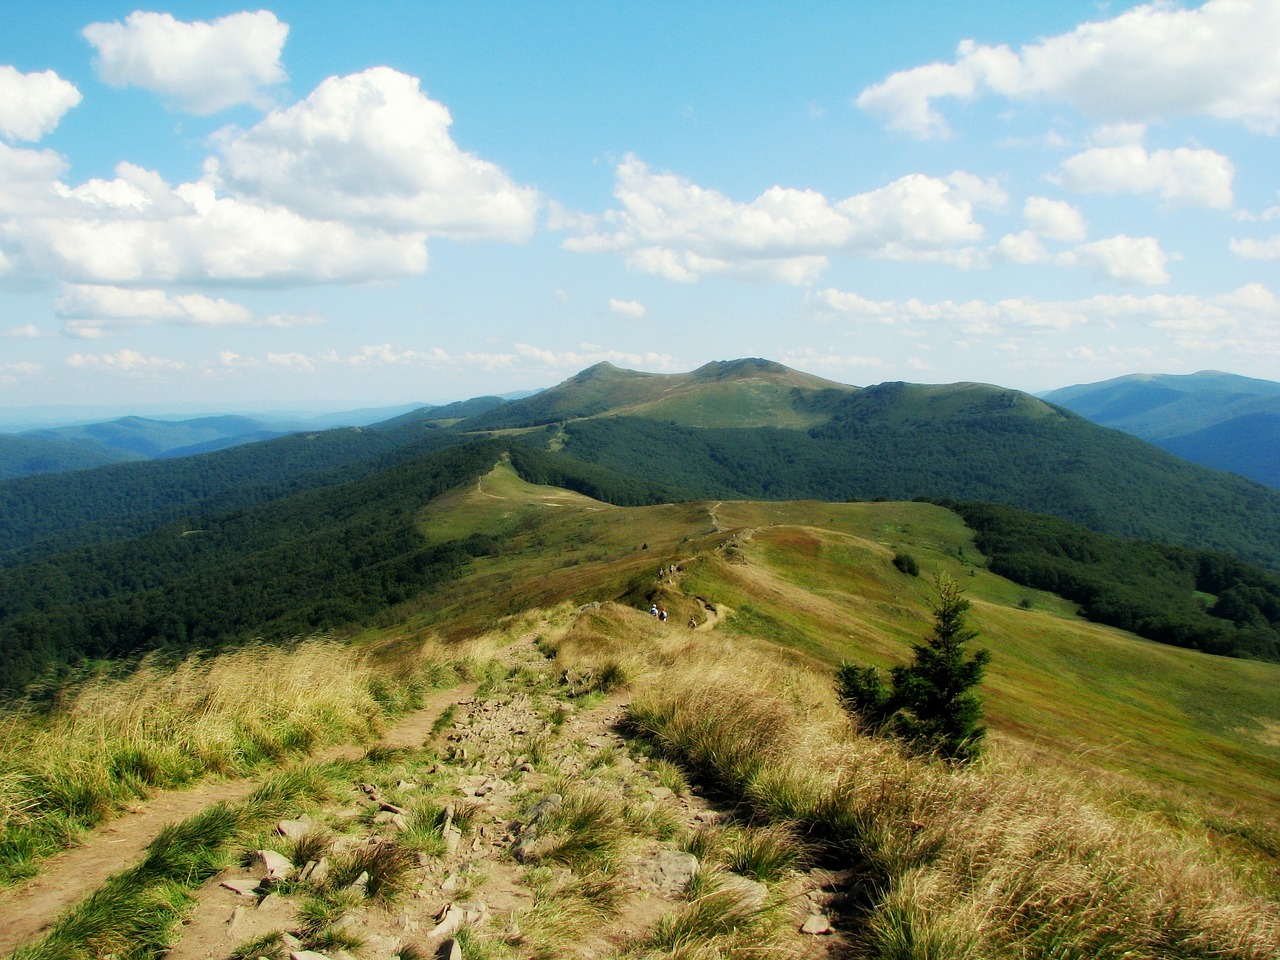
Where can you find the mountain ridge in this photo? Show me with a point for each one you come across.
(1219, 420)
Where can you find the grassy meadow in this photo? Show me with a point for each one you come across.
(1125, 804)
(112, 741)
(816, 581)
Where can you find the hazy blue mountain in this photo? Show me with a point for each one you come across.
(1216, 419)
(24, 456)
(81, 446)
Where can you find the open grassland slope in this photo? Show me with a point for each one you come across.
(1124, 805)
(817, 581)
(624, 788)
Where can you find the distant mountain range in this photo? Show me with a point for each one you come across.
(315, 529)
(1216, 419)
(82, 446)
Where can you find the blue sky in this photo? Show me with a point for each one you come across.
(328, 205)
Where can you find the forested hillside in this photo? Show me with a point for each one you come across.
(27, 456)
(1189, 598)
(901, 441)
(46, 514)
(299, 564)
(316, 530)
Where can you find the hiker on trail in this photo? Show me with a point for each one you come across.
(693, 623)
(653, 610)
(663, 615)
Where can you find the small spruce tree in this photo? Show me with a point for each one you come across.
(930, 702)
(863, 694)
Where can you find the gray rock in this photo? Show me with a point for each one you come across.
(293, 829)
(670, 870)
(816, 925)
(245, 886)
(450, 950)
(320, 873)
(751, 893)
(450, 923)
(452, 837)
(544, 808)
(276, 865)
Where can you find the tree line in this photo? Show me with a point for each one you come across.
(1201, 599)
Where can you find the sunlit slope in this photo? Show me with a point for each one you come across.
(733, 393)
(817, 580)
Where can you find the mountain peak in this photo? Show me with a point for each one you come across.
(603, 368)
(739, 369)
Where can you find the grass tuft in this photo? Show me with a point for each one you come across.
(1000, 860)
(588, 830)
(385, 865)
(269, 946)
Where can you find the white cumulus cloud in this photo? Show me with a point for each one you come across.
(17, 372)
(344, 188)
(1054, 219)
(1130, 260)
(32, 104)
(204, 238)
(88, 310)
(202, 67)
(129, 361)
(27, 331)
(1200, 177)
(1257, 249)
(671, 227)
(1150, 63)
(1251, 312)
(627, 308)
(372, 148)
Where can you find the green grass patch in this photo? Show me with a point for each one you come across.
(134, 913)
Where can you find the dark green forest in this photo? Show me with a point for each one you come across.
(1200, 599)
(313, 561)
(44, 515)
(1061, 466)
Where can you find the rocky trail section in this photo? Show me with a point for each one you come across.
(517, 822)
(70, 876)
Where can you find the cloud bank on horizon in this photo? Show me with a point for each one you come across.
(1091, 202)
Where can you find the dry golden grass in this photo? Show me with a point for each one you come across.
(113, 740)
(999, 859)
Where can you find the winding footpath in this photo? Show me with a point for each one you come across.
(70, 876)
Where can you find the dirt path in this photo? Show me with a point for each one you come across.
(526, 743)
(535, 740)
(73, 874)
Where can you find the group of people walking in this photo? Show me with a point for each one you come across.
(660, 613)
